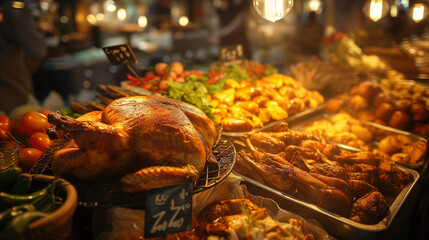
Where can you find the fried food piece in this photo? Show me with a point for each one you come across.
(370, 209)
(267, 143)
(232, 124)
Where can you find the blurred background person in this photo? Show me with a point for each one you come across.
(21, 49)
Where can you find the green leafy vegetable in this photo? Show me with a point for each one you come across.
(193, 91)
(237, 73)
(269, 70)
(68, 111)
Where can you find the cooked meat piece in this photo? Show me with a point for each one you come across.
(392, 180)
(360, 188)
(334, 182)
(134, 133)
(328, 149)
(294, 181)
(370, 209)
(364, 172)
(305, 153)
(292, 137)
(329, 170)
(267, 142)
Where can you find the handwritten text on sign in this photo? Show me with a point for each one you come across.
(231, 55)
(168, 210)
(120, 54)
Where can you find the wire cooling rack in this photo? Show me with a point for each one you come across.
(106, 192)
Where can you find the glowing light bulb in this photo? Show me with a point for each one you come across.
(376, 9)
(100, 17)
(142, 21)
(314, 5)
(91, 19)
(110, 6)
(418, 12)
(272, 10)
(122, 14)
(183, 21)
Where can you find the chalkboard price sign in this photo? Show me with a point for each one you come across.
(168, 210)
(120, 54)
(231, 55)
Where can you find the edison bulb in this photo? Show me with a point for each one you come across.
(376, 9)
(272, 10)
(418, 12)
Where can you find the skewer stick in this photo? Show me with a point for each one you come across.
(133, 72)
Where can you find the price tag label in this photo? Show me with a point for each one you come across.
(120, 54)
(168, 210)
(231, 55)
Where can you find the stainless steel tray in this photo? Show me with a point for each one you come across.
(335, 224)
(302, 123)
(293, 118)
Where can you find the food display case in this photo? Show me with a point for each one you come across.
(271, 119)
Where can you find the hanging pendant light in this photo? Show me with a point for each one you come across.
(272, 10)
(418, 11)
(375, 9)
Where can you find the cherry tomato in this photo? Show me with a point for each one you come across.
(5, 127)
(28, 157)
(163, 85)
(45, 112)
(177, 68)
(161, 68)
(40, 141)
(29, 123)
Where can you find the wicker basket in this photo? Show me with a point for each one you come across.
(58, 224)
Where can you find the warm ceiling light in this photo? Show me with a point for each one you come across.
(142, 21)
(122, 14)
(314, 5)
(183, 21)
(418, 11)
(91, 19)
(376, 9)
(100, 17)
(272, 10)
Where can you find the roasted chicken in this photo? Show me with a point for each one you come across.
(163, 140)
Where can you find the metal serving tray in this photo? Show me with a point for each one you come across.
(302, 123)
(293, 118)
(336, 225)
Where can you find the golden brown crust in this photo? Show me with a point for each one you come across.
(158, 176)
(133, 133)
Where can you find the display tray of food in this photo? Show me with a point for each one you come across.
(403, 105)
(360, 190)
(403, 147)
(295, 118)
(133, 145)
(251, 106)
(334, 224)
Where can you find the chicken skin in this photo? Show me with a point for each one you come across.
(135, 133)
